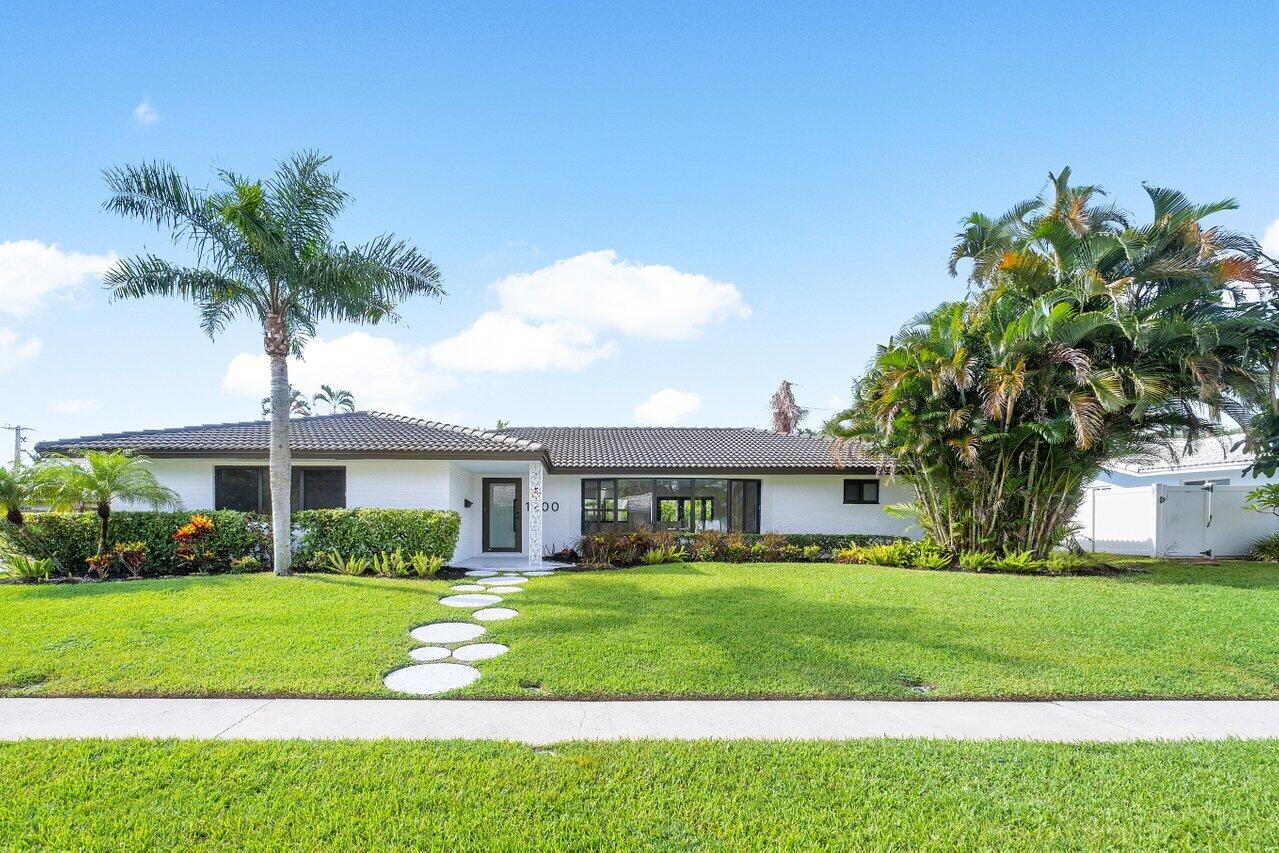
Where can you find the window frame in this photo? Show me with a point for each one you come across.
(861, 482)
(264, 484)
(591, 486)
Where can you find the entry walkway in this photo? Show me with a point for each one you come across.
(543, 722)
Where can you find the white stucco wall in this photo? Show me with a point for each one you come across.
(1179, 477)
(391, 483)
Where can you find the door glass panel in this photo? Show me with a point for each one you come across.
(711, 505)
(634, 504)
(502, 515)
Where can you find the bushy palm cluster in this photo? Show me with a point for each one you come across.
(1084, 338)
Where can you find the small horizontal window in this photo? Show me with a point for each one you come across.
(861, 491)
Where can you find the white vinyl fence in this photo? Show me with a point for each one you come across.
(1171, 521)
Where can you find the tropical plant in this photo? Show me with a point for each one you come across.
(391, 564)
(264, 251)
(1263, 499)
(26, 567)
(425, 565)
(931, 560)
(338, 400)
(976, 561)
(1265, 549)
(1084, 338)
(132, 556)
(336, 563)
(21, 487)
(1018, 561)
(298, 404)
(98, 479)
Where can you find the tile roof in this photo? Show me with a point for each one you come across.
(1208, 453)
(653, 449)
(704, 448)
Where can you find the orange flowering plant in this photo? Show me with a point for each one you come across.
(190, 537)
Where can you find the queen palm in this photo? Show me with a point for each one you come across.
(100, 479)
(263, 250)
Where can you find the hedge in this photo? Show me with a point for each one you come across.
(72, 537)
(365, 532)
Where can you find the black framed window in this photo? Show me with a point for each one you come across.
(248, 488)
(861, 491)
(664, 503)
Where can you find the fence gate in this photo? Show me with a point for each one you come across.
(1172, 521)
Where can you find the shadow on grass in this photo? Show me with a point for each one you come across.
(730, 637)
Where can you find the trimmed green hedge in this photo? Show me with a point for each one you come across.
(71, 537)
(365, 532)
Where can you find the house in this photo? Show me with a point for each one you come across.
(530, 491)
(1212, 462)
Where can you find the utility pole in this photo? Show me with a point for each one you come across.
(18, 440)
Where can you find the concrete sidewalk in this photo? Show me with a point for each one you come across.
(542, 722)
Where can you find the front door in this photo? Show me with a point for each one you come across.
(501, 514)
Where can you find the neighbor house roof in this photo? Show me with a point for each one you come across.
(372, 434)
(1209, 453)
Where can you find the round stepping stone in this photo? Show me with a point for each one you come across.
(470, 599)
(428, 678)
(480, 573)
(467, 587)
(479, 651)
(425, 653)
(494, 614)
(447, 632)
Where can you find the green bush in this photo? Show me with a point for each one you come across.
(976, 561)
(368, 532)
(1265, 549)
(70, 538)
(1019, 561)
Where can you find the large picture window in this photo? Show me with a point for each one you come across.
(248, 488)
(670, 503)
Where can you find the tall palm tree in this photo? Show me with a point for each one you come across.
(100, 479)
(338, 400)
(264, 251)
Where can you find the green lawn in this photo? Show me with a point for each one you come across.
(766, 796)
(678, 630)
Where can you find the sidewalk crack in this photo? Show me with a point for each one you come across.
(265, 702)
(1072, 707)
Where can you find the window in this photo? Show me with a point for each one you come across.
(248, 488)
(861, 491)
(670, 503)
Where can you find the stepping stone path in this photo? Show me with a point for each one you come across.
(427, 679)
(470, 599)
(479, 651)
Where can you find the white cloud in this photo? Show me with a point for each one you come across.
(31, 271)
(667, 408)
(14, 350)
(555, 317)
(382, 374)
(144, 113)
(599, 291)
(1270, 241)
(503, 342)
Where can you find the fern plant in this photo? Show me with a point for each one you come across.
(424, 565)
(353, 565)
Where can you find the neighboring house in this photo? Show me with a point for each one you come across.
(1212, 462)
(530, 490)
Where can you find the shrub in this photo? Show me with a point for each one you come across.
(336, 563)
(27, 568)
(899, 554)
(930, 559)
(810, 552)
(851, 554)
(391, 564)
(1066, 561)
(132, 556)
(1266, 549)
(1019, 561)
(70, 538)
(976, 561)
(654, 557)
(101, 564)
(247, 563)
(425, 565)
(366, 532)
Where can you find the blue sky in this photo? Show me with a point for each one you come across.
(783, 181)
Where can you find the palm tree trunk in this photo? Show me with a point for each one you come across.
(281, 469)
(104, 516)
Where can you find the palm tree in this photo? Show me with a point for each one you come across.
(299, 405)
(264, 251)
(99, 479)
(20, 487)
(337, 400)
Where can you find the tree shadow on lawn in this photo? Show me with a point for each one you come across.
(741, 641)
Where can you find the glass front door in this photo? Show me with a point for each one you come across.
(501, 515)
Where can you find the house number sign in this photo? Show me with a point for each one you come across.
(553, 506)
